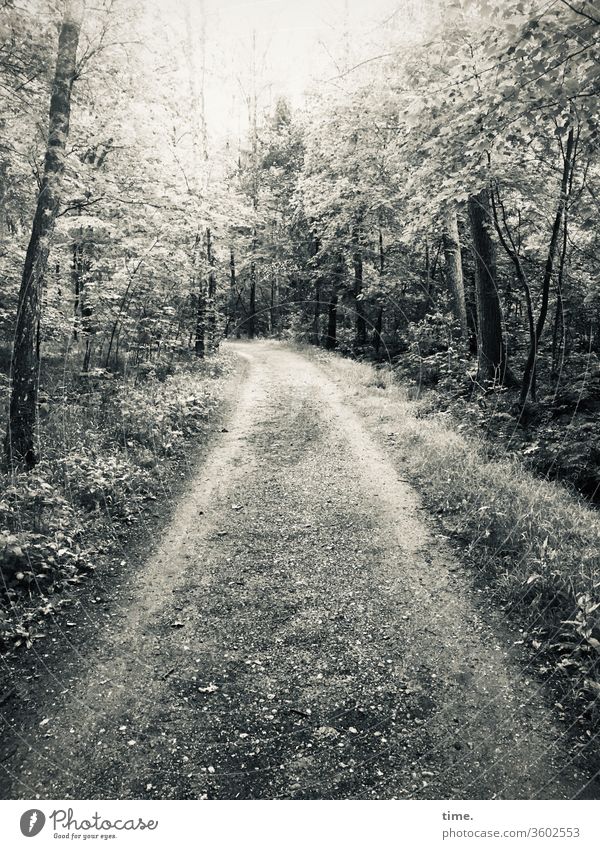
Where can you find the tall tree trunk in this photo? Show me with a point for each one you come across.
(77, 280)
(25, 363)
(492, 361)
(315, 335)
(213, 341)
(199, 153)
(252, 316)
(379, 320)
(200, 337)
(253, 104)
(273, 311)
(529, 372)
(360, 323)
(331, 338)
(454, 271)
(558, 333)
(378, 329)
(199, 283)
(231, 302)
(338, 281)
(428, 277)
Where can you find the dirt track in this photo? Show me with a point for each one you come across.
(300, 631)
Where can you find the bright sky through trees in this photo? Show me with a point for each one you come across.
(298, 46)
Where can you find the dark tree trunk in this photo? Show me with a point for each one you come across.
(76, 278)
(378, 329)
(428, 273)
(213, 341)
(360, 323)
(231, 302)
(23, 413)
(200, 339)
(454, 271)
(529, 372)
(558, 333)
(492, 361)
(274, 309)
(379, 320)
(315, 335)
(252, 316)
(331, 338)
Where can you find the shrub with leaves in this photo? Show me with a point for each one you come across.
(106, 446)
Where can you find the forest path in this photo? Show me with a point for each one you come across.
(298, 632)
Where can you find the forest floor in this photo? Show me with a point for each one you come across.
(302, 628)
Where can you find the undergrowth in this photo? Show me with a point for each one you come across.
(536, 544)
(110, 446)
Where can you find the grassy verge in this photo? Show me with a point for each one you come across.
(536, 545)
(112, 447)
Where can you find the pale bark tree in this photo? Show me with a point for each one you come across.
(20, 443)
(454, 269)
(199, 155)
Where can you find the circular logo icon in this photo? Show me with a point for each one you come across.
(32, 822)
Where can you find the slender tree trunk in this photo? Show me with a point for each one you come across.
(231, 303)
(379, 320)
(76, 278)
(454, 270)
(331, 338)
(255, 189)
(428, 271)
(199, 153)
(199, 282)
(25, 363)
(558, 333)
(252, 316)
(378, 330)
(529, 372)
(360, 323)
(213, 341)
(332, 307)
(200, 337)
(492, 360)
(273, 312)
(315, 335)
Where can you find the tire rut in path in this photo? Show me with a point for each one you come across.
(299, 632)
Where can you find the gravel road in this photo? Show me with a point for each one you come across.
(301, 629)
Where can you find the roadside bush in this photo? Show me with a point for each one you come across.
(106, 440)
